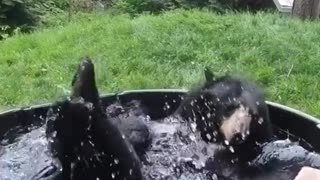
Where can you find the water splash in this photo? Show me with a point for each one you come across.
(27, 156)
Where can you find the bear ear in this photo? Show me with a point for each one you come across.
(208, 74)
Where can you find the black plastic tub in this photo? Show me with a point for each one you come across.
(163, 102)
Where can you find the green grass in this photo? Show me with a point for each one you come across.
(167, 51)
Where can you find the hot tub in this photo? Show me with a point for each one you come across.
(163, 102)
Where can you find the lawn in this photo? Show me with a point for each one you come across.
(167, 51)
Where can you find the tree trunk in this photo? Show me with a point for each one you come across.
(306, 8)
(316, 9)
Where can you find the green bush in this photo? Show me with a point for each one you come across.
(25, 15)
(14, 15)
(44, 10)
(156, 6)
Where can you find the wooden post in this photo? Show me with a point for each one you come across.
(306, 9)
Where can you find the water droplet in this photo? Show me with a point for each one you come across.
(243, 136)
(54, 134)
(260, 121)
(248, 132)
(214, 177)
(167, 106)
(113, 175)
(192, 137)
(91, 143)
(218, 99)
(215, 133)
(226, 142)
(123, 136)
(97, 178)
(81, 144)
(258, 103)
(208, 136)
(130, 171)
(116, 161)
(231, 149)
(208, 115)
(193, 127)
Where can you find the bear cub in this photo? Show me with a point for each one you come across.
(85, 141)
(231, 111)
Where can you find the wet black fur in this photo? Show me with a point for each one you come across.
(207, 104)
(131, 119)
(85, 141)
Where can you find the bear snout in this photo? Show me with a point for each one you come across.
(236, 128)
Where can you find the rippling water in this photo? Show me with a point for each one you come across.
(177, 152)
(25, 156)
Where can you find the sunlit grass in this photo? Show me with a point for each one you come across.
(167, 51)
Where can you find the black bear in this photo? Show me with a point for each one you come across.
(231, 111)
(88, 145)
(131, 119)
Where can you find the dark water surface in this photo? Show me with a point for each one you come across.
(177, 152)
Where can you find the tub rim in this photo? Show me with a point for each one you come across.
(105, 95)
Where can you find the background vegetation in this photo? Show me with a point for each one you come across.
(165, 51)
(25, 15)
(155, 44)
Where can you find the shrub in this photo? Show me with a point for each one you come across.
(156, 6)
(24, 15)
(14, 14)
